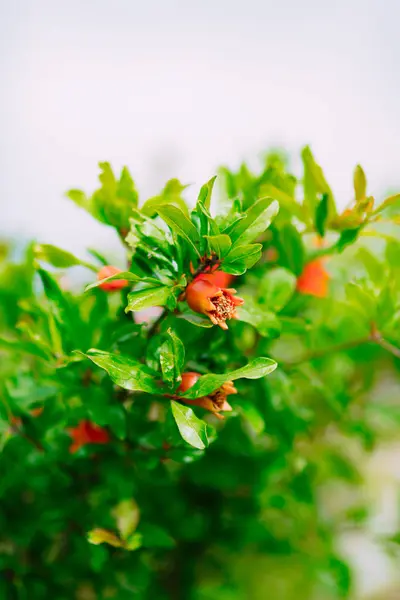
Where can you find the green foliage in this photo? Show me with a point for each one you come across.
(118, 481)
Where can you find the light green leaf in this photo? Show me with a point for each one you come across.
(127, 515)
(206, 384)
(360, 183)
(195, 319)
(134, 542)
(125, 372)
(180, 224)
(251, 416)
(206, 192)
(192, 429)
(220, 244)
(258, 218)
(59, 258)
(147, 297)
(265, 321)
(276, 288)
(171, 194)
(315, 184)
(391, 201)
(241, 258)
(102, 536)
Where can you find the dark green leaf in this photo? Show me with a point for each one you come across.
(291, 249)
(276, 288)
(321, 215)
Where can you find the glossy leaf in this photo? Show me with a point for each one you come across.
(259, 367)
(125, 372)
(147, 297)
(192, 429)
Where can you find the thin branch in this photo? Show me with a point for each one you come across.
(312, 355)
(388, 346)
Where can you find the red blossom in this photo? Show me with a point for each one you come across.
(314, 279)
(87, 432)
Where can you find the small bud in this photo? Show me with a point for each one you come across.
(115, 284)
(215, 402)
(219, 304)
(314, 279)
(87, 432)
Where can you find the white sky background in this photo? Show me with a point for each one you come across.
(175, 88)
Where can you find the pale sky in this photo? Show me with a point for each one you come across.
(175, 88)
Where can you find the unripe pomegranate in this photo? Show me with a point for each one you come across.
(215, 402)
(219, 304)
(115, 284)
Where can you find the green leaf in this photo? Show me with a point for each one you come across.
(347, 237)
(321, 215)
(127, 515)
(102, 536)
(276, 288)
(251, 416)
(195, 319)
(58, 258)
(206, 384)
(171, 195)
(391, 201)
(25, 347)
(180, 224)
(291, 249)
(133, 542)
(126, 187)
(192, 429)
(147, 297)
(360, 183)
(262, 319)
(220, 244)
(125, 371)
(155, 536)
(172, 358)
(206, 192)
(241, 258)
(257, 219)
(315, 184)
(123, 275)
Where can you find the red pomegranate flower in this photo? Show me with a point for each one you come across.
(314, 279)
(115, 284)
(87, 432)
(218, 303)
(215, 402)
(222, 279)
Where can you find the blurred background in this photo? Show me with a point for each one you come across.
(174, 89)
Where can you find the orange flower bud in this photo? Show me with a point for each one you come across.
(115, 284)
(219, 304)
(314, 279)
(87, 432)
(215, 402)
